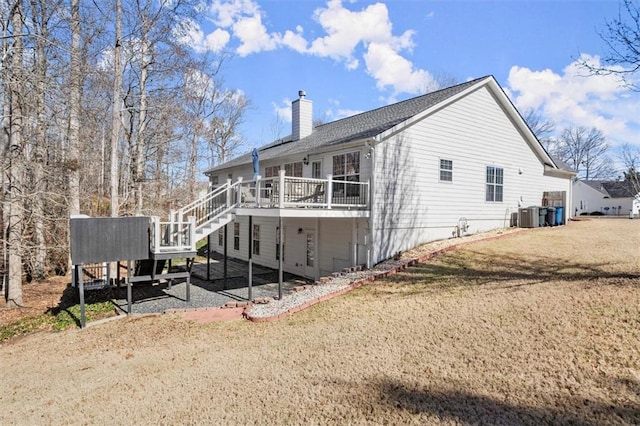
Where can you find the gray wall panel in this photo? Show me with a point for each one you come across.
(109, 239)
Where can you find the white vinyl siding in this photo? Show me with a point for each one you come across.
(411, 208)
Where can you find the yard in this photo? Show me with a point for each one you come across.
(538, 327)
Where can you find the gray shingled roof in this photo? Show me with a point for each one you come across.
(360, 126)
(613, 188)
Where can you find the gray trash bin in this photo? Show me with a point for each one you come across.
(551, 216)
(542, 214)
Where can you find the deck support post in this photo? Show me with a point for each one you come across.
(129, 292)
(209, 257)
(224, 261)
(281, 251)
(83, 318)
(249, 288)
(189, 265)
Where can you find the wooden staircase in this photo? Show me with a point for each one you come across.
(196, 220)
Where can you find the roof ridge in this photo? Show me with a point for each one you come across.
(412, 99)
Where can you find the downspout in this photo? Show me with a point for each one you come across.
(371, 244)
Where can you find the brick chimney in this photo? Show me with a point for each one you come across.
(301, 117)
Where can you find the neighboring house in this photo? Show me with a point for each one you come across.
(615, 198)
(359, 190)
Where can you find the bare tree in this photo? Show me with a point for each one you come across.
(630, 156)
(223, 136)
(75, 95)
(622, 37)
(15, 167)
(116, 111)
(585, 150)
(541, 127)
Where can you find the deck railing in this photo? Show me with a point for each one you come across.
(178, 236)
(179, 232)
(304, 192)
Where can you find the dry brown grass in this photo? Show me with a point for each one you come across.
(539, 327)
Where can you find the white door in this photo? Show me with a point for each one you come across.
(310, 260)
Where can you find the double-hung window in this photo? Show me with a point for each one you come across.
(236, 236)
(293, 169)
(346, 167)
(494, 184)
(446, 170)
(271, 171)
(256, 240)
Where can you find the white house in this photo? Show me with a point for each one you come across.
(612, 198)
(358, 190)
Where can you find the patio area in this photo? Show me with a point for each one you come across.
(215, 292)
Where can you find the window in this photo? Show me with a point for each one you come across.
(215, 180)
(495, 183)
(293, 169)
(271, 171)
(346, 167)
(316, 169)
(221, 236)
(256, 240)
(446, 170)
(230, 176)
(236, 236)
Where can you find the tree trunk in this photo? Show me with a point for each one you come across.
(139, 177)
(116, 111)
(75, 91)
(116, 114)
(16, 170)
(39, 259)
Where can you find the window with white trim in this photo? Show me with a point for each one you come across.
(256, 240)
(271, 171)
(236, 236)
(293, 169)
(494, 184)
(446, 170)
(316, 169)
(221, 237)
(346, 167)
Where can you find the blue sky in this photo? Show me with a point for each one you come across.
(352, 56)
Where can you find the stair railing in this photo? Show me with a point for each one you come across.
(215, 203)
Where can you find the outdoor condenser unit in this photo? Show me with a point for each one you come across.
(528, 217)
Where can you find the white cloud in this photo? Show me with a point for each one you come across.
(283, 111)
(351, 37)
(295, 41)
(389, 68)
(371, 28)
(253, 36)
(574, 98)
(226, 13)
(189, 33)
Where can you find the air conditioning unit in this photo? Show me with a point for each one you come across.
(528, 217)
